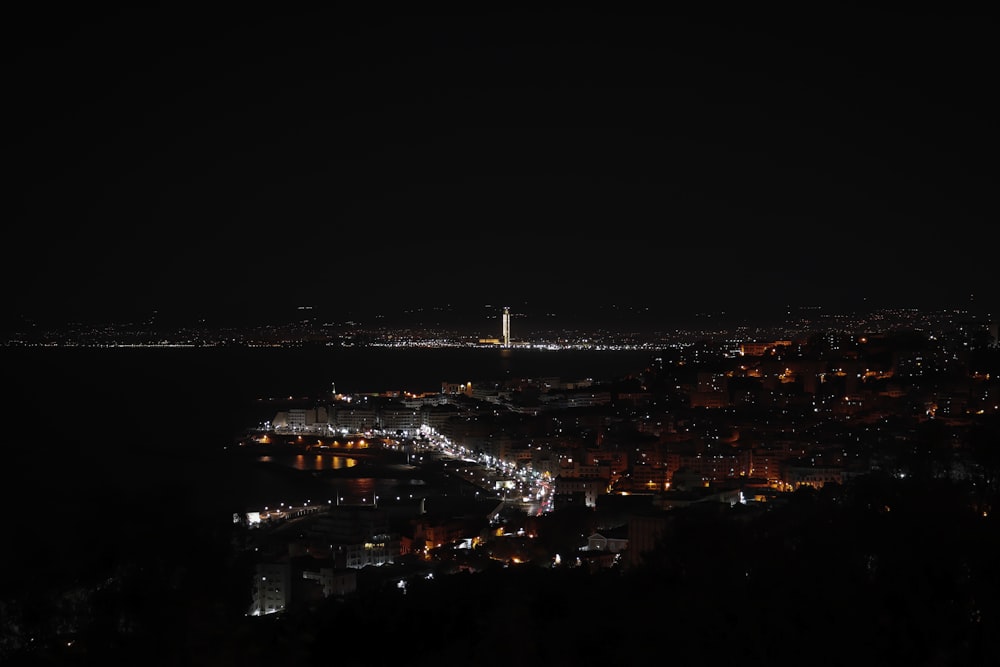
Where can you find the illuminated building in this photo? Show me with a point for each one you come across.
(272, 585)
(506, 327)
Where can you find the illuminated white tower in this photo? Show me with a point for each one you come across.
(506, 327)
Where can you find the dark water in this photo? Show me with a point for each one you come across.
(101, 442)
(97, 397)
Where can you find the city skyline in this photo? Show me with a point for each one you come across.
(496, 327)
(724, 281)
(852, 472)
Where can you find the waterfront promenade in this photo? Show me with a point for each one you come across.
(302, 474)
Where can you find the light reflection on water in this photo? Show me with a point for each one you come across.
(312, 461)
(333, 490)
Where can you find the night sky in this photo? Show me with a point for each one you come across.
(210, 163)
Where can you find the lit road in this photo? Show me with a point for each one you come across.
(518, 486)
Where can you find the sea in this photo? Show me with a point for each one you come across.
(104, 447)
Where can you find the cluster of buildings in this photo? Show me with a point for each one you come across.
(703, 423)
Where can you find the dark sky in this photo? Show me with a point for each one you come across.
(245, 161)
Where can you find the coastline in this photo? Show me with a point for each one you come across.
(376, 471)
